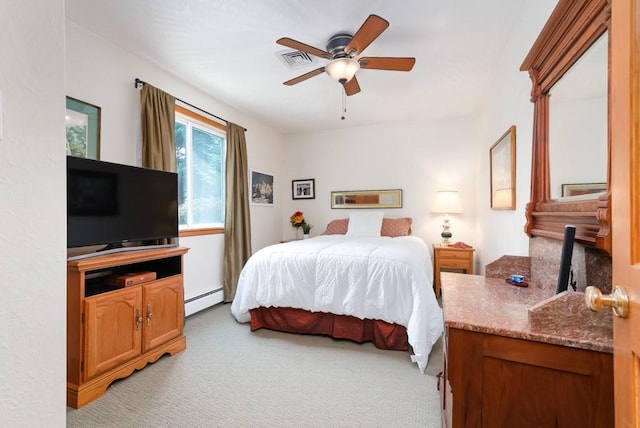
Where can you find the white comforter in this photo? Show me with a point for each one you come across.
(384, 278)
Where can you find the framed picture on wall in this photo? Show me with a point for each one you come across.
(351, 199)
(261, 188)
(502, 171)
(303, 189)
(83, 129)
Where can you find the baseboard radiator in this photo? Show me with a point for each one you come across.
(203, 301)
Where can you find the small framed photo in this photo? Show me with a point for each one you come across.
(83, 129)
(261, 188)
(303, 189)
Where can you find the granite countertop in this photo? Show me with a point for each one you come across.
(490, 305)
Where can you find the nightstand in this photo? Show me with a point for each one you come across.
(452, 258)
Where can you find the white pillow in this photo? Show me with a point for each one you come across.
(365, 223)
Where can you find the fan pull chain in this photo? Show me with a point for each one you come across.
(344, 104)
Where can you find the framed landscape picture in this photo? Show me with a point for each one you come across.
(303, 189)
(502, 167)
(261, 188)
(83, 129)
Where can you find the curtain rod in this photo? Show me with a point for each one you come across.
(139, 82)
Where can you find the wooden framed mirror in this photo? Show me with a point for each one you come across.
(575, 28)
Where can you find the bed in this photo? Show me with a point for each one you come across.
(355, 286)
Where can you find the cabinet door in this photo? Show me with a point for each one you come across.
(446, 394)
(163, 311)
(112, 334)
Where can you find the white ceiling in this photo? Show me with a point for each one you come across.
(228, 50)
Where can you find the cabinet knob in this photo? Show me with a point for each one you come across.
(618, 300)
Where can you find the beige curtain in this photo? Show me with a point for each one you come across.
(158, 129)
(237, 219)
(158, 118)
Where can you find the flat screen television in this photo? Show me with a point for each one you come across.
(112, 204)
(565, 275)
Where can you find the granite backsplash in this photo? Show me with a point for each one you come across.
(590, 266)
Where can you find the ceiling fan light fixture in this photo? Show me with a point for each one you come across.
(342, 69)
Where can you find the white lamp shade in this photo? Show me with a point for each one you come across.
(447, 202)
(342, 69)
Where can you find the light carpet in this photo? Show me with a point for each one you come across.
(231, 377)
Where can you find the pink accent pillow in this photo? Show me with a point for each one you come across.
(396, 227)
(337, 227)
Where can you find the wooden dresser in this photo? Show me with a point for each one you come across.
(113, 331)
(505, 367)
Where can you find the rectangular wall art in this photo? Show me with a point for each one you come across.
(83, 129)
(303, 189)
(261, 188)
(367, 199)
(502, 171)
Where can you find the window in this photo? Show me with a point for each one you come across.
(200, 159)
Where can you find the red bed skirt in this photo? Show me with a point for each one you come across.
(291, 320)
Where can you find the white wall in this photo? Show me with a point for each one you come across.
(578, 151)
(508, 103)
(203, 271)
(103, 74)
(32, 215)
(417, 158)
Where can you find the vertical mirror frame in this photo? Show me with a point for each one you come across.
(571, 29)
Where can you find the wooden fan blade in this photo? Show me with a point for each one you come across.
(304, 77)
(387, 63)
(352, 87)
(294, 44)
(370, 30)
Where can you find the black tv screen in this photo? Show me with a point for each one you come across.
(111, 204)
(565, 276)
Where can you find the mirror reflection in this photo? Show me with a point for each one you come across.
(578, 127)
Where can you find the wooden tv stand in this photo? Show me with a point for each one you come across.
(112, 332)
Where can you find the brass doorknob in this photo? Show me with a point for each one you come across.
(618, 300)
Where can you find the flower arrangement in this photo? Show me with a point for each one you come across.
(297, 219)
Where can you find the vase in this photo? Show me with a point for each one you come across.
(298, 233)
(305, 236)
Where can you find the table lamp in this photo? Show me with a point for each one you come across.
(447, 202)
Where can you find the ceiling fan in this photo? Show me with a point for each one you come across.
(342, 51)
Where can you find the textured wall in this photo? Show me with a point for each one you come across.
(508, 103)
(32, 215)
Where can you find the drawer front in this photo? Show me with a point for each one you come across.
(454, 255)
(455, 264)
